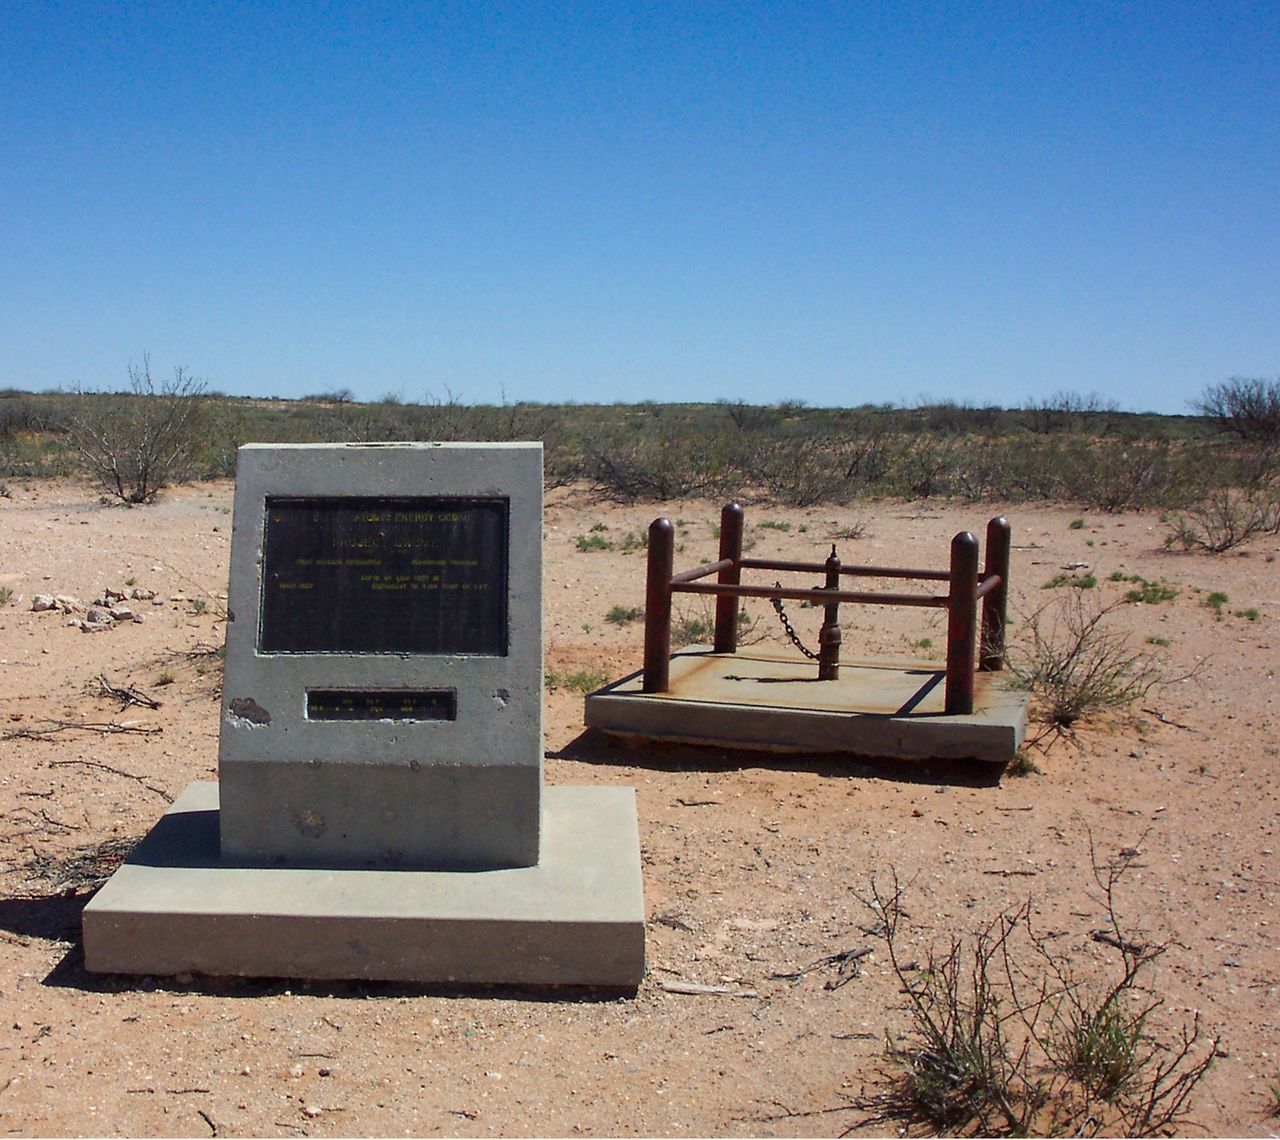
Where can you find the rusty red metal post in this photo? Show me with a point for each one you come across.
(727, 604)
(962, 621)
(829, 634)
(995, 606)
(657, 607)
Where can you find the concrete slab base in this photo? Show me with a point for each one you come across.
(577, 918)
(771, 699)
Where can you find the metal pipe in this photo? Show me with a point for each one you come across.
(829, 634)
(962, 620)
(987, 583)
(798, 594)
(995, 604)
(657, 607)
(730, 569)
(858, 571)
(700, 571)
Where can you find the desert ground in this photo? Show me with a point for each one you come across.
(755, 865)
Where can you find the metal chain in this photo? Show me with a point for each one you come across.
(786, 624)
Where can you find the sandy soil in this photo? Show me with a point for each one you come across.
(754, 865)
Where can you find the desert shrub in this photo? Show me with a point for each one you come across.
(1117, 475)
(747, 417)
(1246, 408)
(800, 472)
(1215, 601)
(135, 445)
(31, 443)
(868, 451)
(579, 681)
(1224, 519)
(439, 420)
(692, 625)
(1085, 581)
(622, 615)
(934, 465)
(36, 456)
(667, 465)
(1075, 665)
(1015, 467)
(1070, 411)
(21, 415)
(1005, 1040)
(225, 426)
(1147, 592)
(1023, 764)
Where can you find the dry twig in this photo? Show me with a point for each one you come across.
(848, 964)
(126, 694)
(114, 771)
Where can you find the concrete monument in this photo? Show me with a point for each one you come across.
(381, 812)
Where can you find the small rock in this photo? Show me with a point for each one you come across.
(1136, 753)
(325, 1071)
(68, 604)
(98, 616)
(121, 613)
(43, 602)
(109, 595)
(312, 1110)
(296, 1071)
(142, 594)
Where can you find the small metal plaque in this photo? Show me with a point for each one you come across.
(383, 704)
(385, 575)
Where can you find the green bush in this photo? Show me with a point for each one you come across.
(579, 681)
(622, 615)
(1150, 593)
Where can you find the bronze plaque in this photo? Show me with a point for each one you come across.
(382, 704)
(384, 575)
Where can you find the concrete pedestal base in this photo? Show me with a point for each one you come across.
(770, 699)
(577, 918)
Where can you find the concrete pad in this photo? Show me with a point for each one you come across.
(577, 918)
(771, 699)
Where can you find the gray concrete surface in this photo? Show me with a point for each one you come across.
(770, 699)
(575, 919)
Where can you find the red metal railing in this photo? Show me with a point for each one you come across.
(966, 587)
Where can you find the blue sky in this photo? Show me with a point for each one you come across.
(840, 203)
